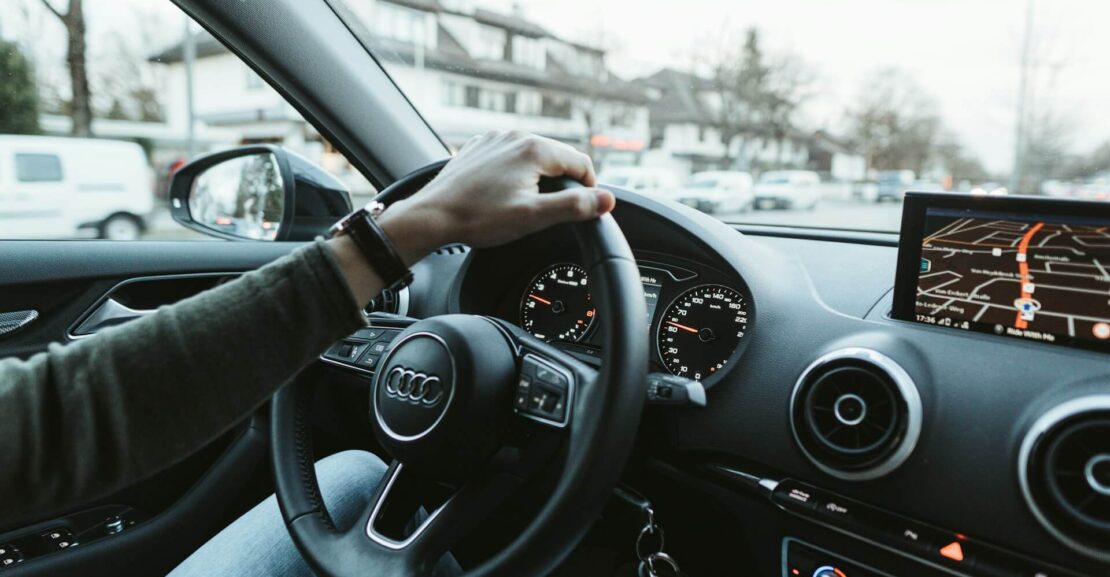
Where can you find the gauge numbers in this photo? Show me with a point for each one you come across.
(556, 305)
(700, 330)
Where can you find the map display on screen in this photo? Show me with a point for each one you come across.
(1014, 274)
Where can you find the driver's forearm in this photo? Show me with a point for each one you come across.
(87, 419)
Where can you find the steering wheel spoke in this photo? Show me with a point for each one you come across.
(398, 526)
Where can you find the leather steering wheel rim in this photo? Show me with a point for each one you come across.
(604, 418)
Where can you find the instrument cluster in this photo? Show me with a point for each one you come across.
(696, 334)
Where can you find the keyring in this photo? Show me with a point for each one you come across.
(650, 529)
(661, 556)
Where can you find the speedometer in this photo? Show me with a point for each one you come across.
(700, 330)
(556, 305)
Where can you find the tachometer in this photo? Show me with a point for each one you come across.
(700, 330)
(556, 305)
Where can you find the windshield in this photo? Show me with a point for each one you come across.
(860, 94)
(617, 180)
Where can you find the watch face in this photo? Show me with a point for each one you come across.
(376, 247)
(345, 223)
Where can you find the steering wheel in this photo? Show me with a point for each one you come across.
(479, 405)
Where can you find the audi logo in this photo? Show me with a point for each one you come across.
(413, 386)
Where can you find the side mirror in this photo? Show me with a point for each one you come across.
(257, 192)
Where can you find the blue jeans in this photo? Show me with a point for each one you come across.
(258, 545)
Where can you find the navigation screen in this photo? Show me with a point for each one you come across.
(1021, 275)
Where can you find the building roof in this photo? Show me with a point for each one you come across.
(206, 45)
(510, 22)
(822, 140)
(450, 56)
(677, 102)
(678, 97)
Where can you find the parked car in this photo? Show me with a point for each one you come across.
(866, 191)
(926, 186)
(718, 191)
(55, 187)
(893, 184)
(652, 181)
(788, 189)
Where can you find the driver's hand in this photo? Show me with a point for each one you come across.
(488, 195)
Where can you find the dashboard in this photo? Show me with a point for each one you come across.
(845, 428)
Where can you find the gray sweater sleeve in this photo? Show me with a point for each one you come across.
(83, 420)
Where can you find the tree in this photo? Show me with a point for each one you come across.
(738, 84)
(19, 101)
(756, 95)
(895, 123)
(955, 161)
(125, 88)
(80, 109)
(788, 87)
(1043, 150)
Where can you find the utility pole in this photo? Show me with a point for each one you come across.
(1023, 89)
(189, 55)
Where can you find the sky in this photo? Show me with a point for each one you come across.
(966, 54)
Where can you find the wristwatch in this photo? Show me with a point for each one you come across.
(379, 251)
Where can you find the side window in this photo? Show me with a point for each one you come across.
(31, 167)
(160, 93)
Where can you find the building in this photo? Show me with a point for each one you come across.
(466, 69)
(835, 158)
(685, 135)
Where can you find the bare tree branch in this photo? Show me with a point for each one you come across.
(55, 11)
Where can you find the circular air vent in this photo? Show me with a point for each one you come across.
(1065, 474)
(856, 414)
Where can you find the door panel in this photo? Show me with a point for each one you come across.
(178, 509)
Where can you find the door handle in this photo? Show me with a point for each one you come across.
(109, 314)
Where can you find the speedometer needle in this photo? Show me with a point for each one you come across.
(683, 327)
(540, 299)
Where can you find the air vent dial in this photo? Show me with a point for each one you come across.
(856, 413)
(1064, 470)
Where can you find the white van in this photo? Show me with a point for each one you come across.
(650, 181)
(57, 187)
(788, 189)
(724, 191)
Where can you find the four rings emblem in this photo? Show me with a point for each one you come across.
(413, 386)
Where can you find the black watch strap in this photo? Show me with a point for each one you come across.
(376, 247)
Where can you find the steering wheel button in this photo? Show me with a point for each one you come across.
(368, 333)
(369, 360)
(551, 377)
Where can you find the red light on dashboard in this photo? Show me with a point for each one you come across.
(953, 551)
(795, 572)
